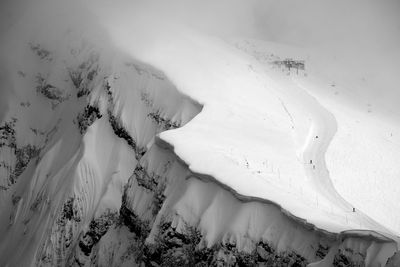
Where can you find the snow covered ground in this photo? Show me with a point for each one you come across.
(258, 132)
(272, 153)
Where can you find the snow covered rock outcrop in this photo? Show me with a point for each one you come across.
(111, 157)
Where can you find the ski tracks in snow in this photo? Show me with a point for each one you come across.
(321, 133)
(323, 129)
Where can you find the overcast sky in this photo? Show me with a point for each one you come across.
(363, 33)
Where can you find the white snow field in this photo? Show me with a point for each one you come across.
(114, 135)
(259, 129)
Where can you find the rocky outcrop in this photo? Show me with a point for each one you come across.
(394, 260)
(7, 134)
(166, 124)
(97, 228)
(87, 117)
(41, 52)
(84, 74)
(55, 94)
(121, 132)
(21, 155)
(24, 156)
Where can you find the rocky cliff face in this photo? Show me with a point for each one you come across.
(86, 181)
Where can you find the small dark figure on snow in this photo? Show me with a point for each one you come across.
(354, 209)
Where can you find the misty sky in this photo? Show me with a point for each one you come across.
(363, 34)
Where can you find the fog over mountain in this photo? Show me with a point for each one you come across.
(199, 133)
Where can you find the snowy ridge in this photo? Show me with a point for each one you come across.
(186, 152)
(264, 95)
(261, 216)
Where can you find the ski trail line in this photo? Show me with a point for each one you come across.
(320, 135)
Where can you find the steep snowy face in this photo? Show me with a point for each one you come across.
(78, 121)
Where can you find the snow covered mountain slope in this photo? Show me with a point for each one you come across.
(365, 146)
(120, 147)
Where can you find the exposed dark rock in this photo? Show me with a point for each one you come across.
(84, 74)
(25, 104)
(76, 78)
(7, 134)
(347, 258)
(107, 88)
(394, 261)
(36, 203)
(145, 180)
(49, 91)
(24, 156)
(41, 52)
(121, 132)
(145, 97)
(69, 212)
(15, 199)
(164, 123)
(153, 183)
(133, 222)
(184, 247)
(90, 76)
(97, 228)
(117, 126)
(159, 76)
(21, 73)
(173, 248)
(86, 118)
(158, 199)
(322, 251)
